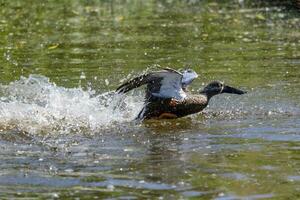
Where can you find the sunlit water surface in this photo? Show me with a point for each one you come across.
(64, 133)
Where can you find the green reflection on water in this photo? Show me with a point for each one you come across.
(97, 37)
(258, 172)
(86, 42)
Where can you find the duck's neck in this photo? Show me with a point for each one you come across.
(206, 94)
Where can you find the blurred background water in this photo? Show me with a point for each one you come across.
(64, 134)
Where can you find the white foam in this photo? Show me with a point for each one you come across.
(34, 104)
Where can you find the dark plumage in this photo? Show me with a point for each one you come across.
(172, 108)
(160, 103)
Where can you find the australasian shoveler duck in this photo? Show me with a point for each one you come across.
(167, 96)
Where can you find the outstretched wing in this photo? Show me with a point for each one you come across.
(170, 85)
(164, 84)
(135, 82)
(188, 76)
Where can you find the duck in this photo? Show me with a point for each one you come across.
(167, 95)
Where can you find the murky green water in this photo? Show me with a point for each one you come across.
(61, 135)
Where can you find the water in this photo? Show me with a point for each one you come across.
(65, 134)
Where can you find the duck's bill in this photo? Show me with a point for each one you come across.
(232, 90)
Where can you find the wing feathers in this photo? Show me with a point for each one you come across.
(166, 83)
(134, 83)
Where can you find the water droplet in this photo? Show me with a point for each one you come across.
(55, 195)
(69, 170)
(221, 194)
(128, 149)
(110, 187)
(82, 76)
(106, 82)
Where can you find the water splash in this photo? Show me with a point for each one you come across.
(36, 105)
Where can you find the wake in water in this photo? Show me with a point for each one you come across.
(34, 104)
(259, 104)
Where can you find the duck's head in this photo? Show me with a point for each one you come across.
(188, 75)
(217, 87)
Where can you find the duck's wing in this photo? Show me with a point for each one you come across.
(170, 85)
(166, 83)
(135, 83)
(188, 76)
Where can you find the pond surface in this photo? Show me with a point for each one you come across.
(64, 134)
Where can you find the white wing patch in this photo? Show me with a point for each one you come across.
(171, 86)
(188, 76)
(167, 83)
